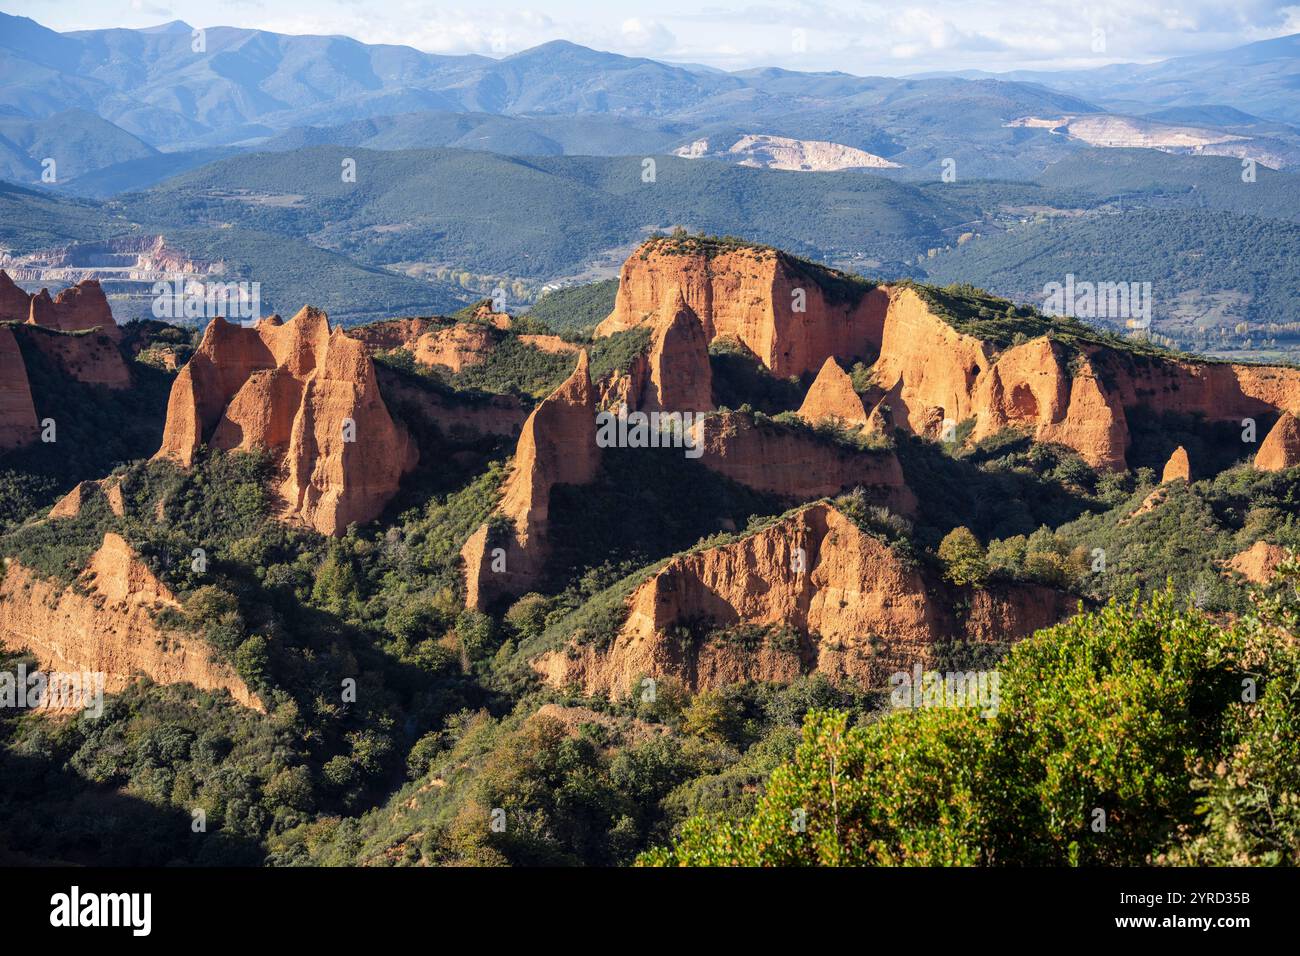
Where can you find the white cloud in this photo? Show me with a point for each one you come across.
(646, 36)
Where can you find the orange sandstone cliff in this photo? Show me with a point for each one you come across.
(673, 374)
(92, 357)
(785, 311)
(557, 445)
(106, 623)
(307, 395)
(833, 398)
(926, 371)
(1258, 563)
(77, 308)
(455, 347)
(856, 609)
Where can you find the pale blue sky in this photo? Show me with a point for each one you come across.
(888, 38)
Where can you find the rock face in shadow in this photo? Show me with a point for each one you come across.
(790, 314)
(307, 395)
(795, 464)
(18, 424)
(557, 445)
(75, 331)
(106, 624)
(680, 376)
(93, 357)
(850, 608)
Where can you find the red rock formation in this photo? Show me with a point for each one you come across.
(93, 358)
(70, 505)
(1258, 563)
(106, 624)
(786, 461)
(1177, 467)
(1077, 395)
(1281, 449)
(307, 395)
(749, 293)
(556, 446)
(927, 368)
(393, 333)
(456, 347)
(680, 376)
(75, 309)
(932, 373)
(15, 304)
(862, 610)
(551, 344)
(18, 425)
(833, 398)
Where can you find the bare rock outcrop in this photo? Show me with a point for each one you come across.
(1281, 449)
(551, 344)
(393, 333)
(107, 624)
(1259, 562)
(77, 308)
(794, 464)
(1178, 466)
(70, 505)
(792, 315)
(92, 357)
(15, 304)
(456, 347)
(454, 415)
(680, 376)
(557, 445)
(833, 398)
(852, 609)
(304, 393)
(1072, 390)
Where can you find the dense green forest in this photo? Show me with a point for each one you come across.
(1142, 733)
(503, 215)
(1217, 280)
(577, 309)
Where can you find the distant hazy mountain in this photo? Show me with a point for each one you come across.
(584, 135)
(1262, 78)
(254, 88)
(78, 141)
(244, 85)
(136, 174)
